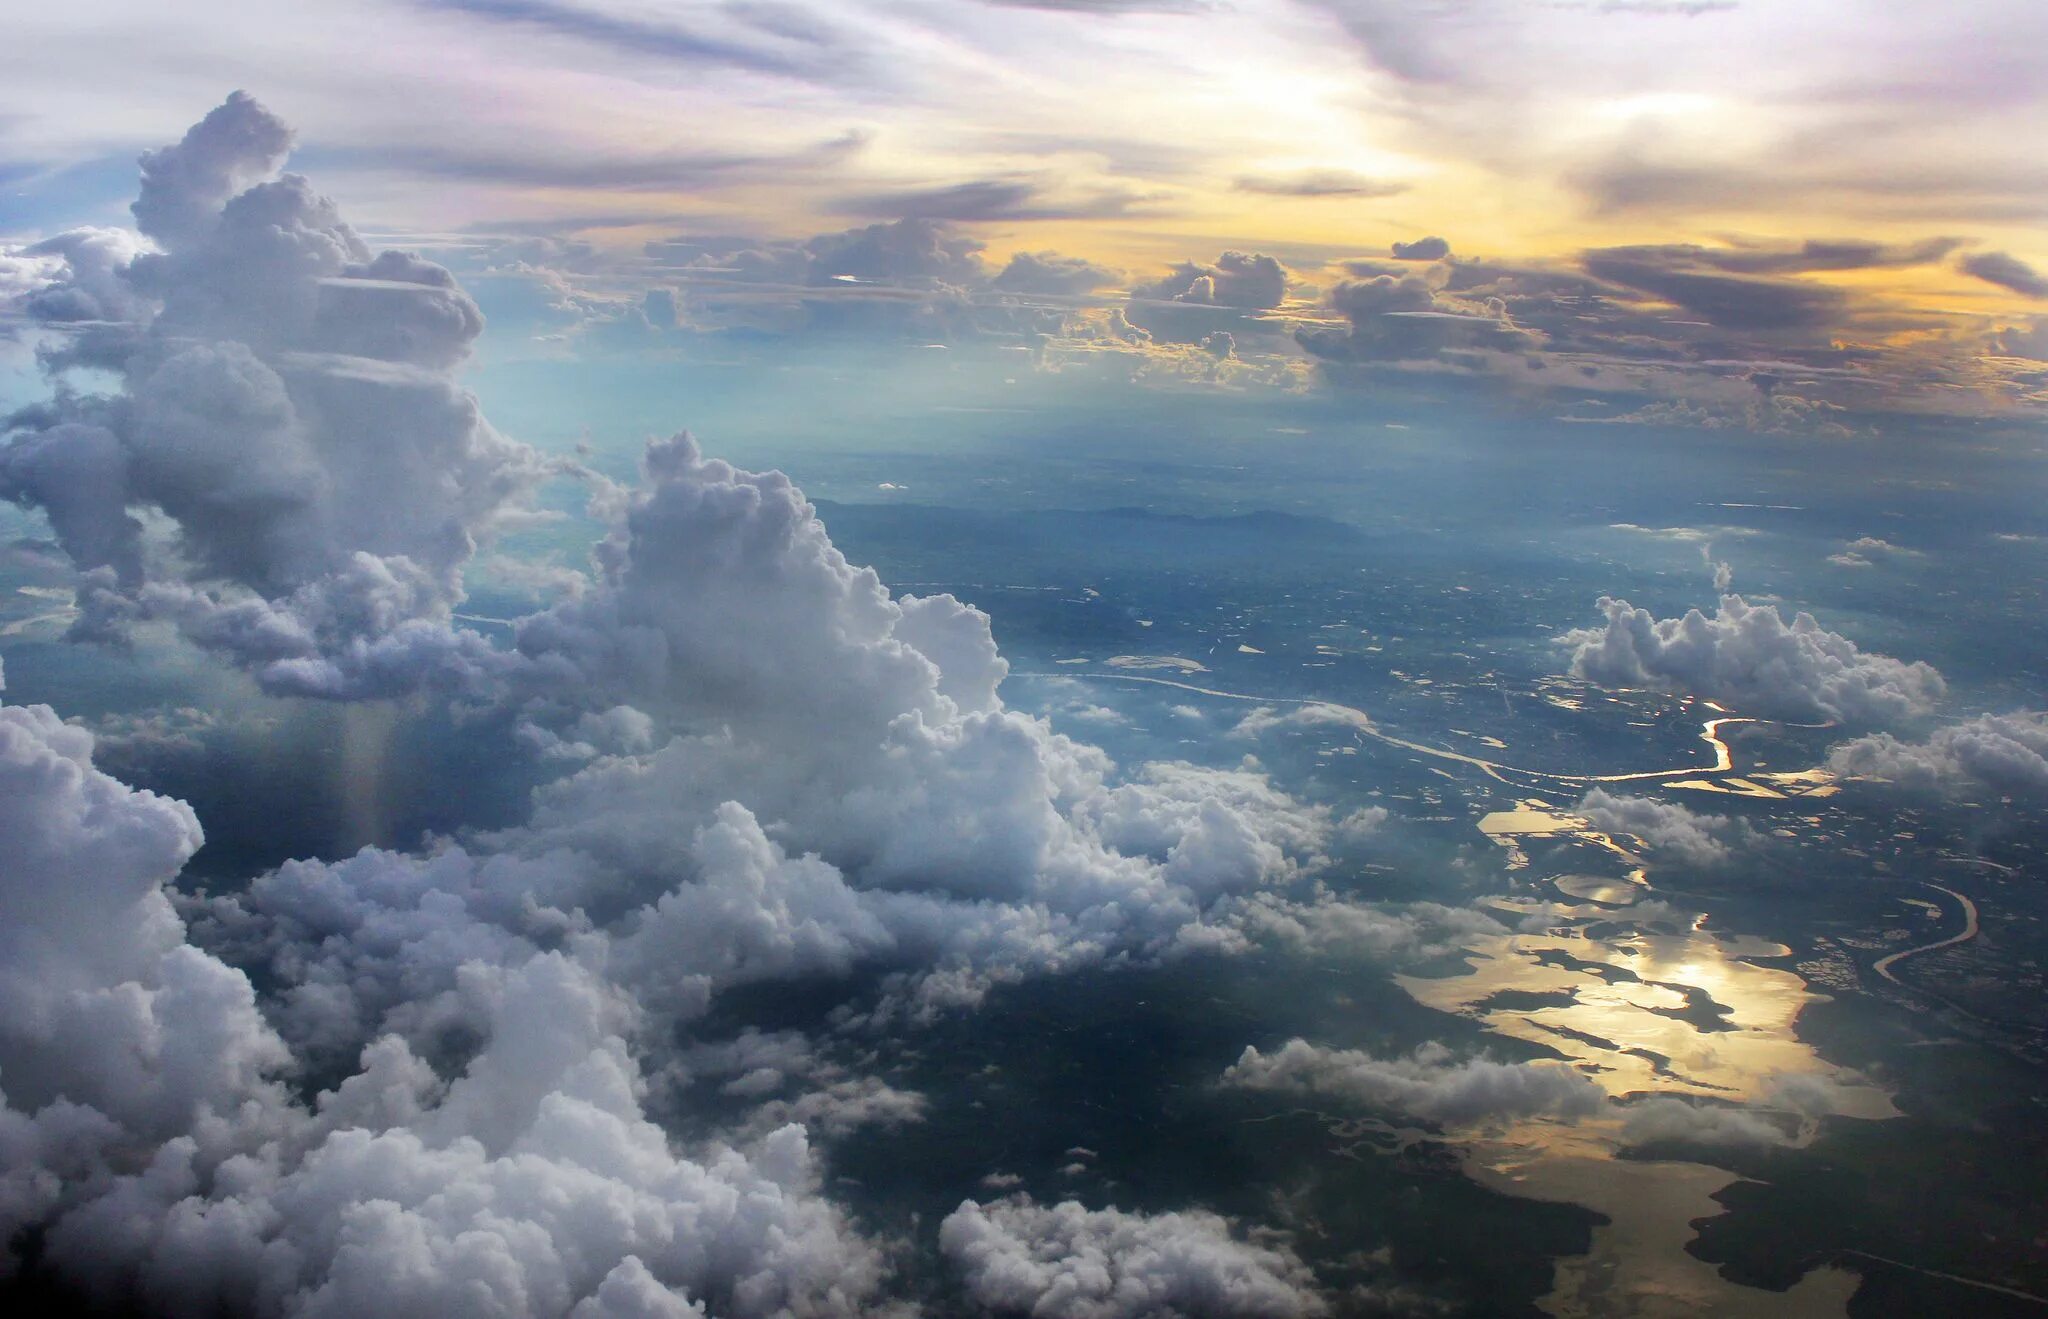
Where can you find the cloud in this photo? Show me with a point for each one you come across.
(1865, 550)
(1693, 535)
(751, 663)
(1429, 1084)
(1111, 6)
(1999, 753)
(1363, 822)
(807, 50)
(1319, 183)
(1724, 336)
(772, 769)
(993, 199)
(105, 1006)
(523, 1173)
(911, 249)
(1310, 714)
(1659, 1121)
(2008, 272)
(1331, 926)
(1666, 828)
(144, 1132)
(1748, 657)
(1248, 280)
(920, 278)
(1053, 274)
(1067, 1262)
(1422, 249)
(1736, 301)
(287, 405)
(1195, 299)
(659, 306)
(1813, 254)
(79, 277)
(1409, 317)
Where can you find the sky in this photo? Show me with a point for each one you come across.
(586, 848)
(1726, 212)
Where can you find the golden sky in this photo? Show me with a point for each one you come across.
(1901, 139)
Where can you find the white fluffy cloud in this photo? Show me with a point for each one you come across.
(780, 771)
(1659, 1119)
(102, 1002)
(144, 1126)
(1067, 1262)
(1666, 827)
(1748, 657)
(2000, 753)
(286, 406)
(1429, 1084)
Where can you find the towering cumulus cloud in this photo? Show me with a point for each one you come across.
(445, 1082)
(286, 407)
(1749, 657)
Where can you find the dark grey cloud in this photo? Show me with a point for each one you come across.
(993, 199)
(1405, 317)
(1733, 301)
(1422, 249)
(1196, 299)
(2006, 271)
(1250, 280)
(1320, 183)
(1815, 254)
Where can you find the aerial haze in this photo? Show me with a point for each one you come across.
(1096, 659)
